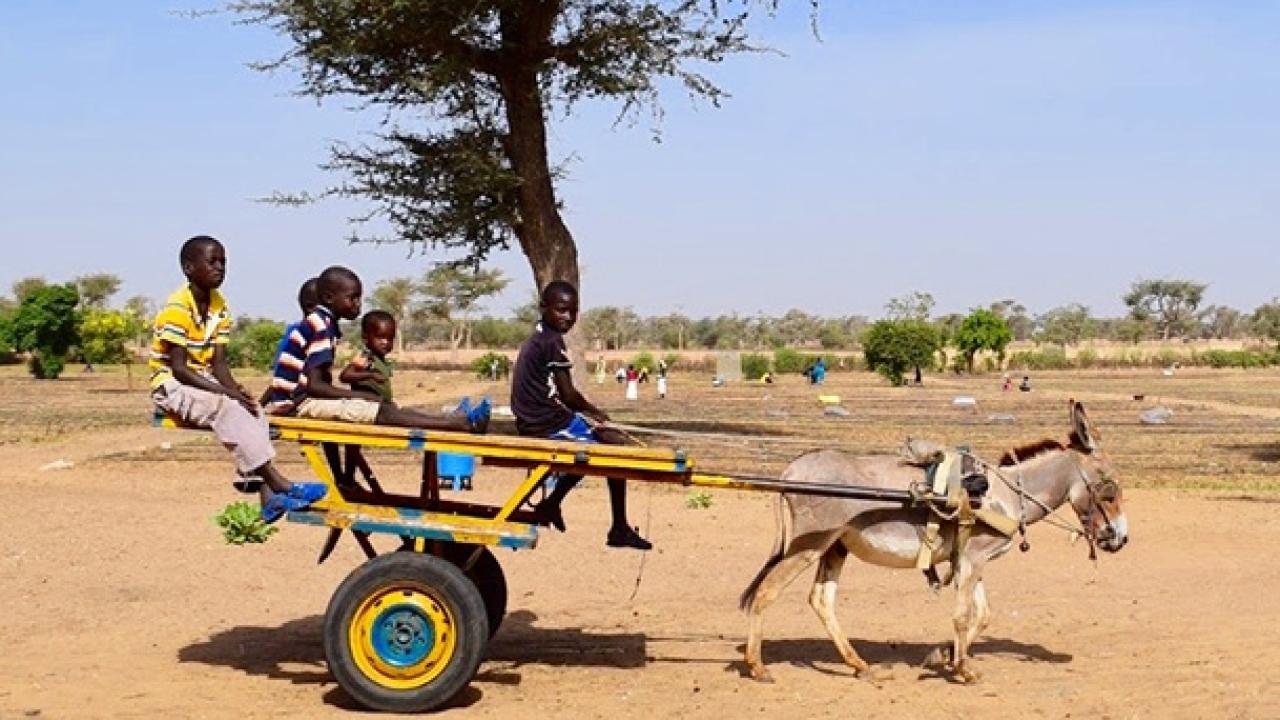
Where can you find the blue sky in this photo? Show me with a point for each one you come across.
(1050, 152)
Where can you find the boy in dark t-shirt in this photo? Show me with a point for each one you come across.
(546, 404)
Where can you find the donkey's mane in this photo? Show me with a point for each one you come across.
(1026, 452)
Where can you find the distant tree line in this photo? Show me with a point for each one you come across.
(49, 324)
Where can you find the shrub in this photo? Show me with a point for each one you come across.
(1086, 358)
(102, 335)
(892, 347)
(485, 366)
(754, 366)
(644, 360)
(242, 523)
(698, 500)
(46, 325)
(253, 343)
(672, 359)
(786, 360)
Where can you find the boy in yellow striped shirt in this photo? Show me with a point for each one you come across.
(190, 378)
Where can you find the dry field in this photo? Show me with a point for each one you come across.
(120, 599)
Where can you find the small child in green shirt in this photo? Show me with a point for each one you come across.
(370, 371)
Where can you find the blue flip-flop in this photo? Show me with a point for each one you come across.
(464, 407)
(310, 492)
(277, 505)
(478, 416)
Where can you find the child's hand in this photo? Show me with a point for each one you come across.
(240, 395)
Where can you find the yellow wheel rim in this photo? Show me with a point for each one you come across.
(402, 636)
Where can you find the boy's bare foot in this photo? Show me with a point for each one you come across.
(625, 537)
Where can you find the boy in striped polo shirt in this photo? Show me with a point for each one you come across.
(190, 378)
(303, 380)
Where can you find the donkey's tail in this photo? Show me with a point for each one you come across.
(782, 520)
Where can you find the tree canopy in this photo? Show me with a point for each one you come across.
(45, 325)
(1169, 304)
(981, 330)
(466, 90)
(96, 289)
(892, 347)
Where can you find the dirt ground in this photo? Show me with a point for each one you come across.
(121, 600)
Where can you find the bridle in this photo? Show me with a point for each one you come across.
(1104, 488)
(1100, 491)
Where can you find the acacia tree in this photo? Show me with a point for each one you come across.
(467, 88)
(395, 295)
(451, 294)
(1066, 325)
(1265, 320)
(1170, 304)
(97, 289)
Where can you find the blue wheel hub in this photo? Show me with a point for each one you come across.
(403, 636)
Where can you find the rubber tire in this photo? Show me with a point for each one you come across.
(488, 578)
(451, 587)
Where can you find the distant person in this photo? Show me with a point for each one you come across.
(767, 378)
(642, 375)
(1008, 383)
(919, 376)
(621, 375)
(633, 383)
(546, 404)
(190, 379)
(662, 378)
(600, 370)
(819, 373)
(1025, 385)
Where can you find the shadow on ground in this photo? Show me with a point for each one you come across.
(522, 642)
(294, 652)
(809, 653)
(1262, 452)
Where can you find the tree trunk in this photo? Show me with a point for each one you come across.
(543, 235)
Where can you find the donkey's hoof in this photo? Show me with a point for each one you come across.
(761, 676)
(967, 674)
(936, 658)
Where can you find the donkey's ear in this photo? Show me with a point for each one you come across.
(1082, 428)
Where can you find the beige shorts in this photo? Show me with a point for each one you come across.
(345, 409)
(244, 434)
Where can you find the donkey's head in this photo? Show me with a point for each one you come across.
(1095, 494)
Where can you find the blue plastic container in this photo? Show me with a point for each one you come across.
(455, 468)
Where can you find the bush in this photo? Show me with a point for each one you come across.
(754, 366)
(1086, 358)
(672, 359)
(1047, 359)
(242, 523)
(490, 363)
(644, 360)
(786, 360)
(46, 325)
(102, 335)
(253, 343)
(892, 347)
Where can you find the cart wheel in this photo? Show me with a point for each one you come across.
(405, 632)
(488, 577)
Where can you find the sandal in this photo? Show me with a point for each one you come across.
(277, 505)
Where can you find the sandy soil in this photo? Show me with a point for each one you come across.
(121, 600)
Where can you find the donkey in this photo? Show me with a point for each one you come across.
(1033, 482)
